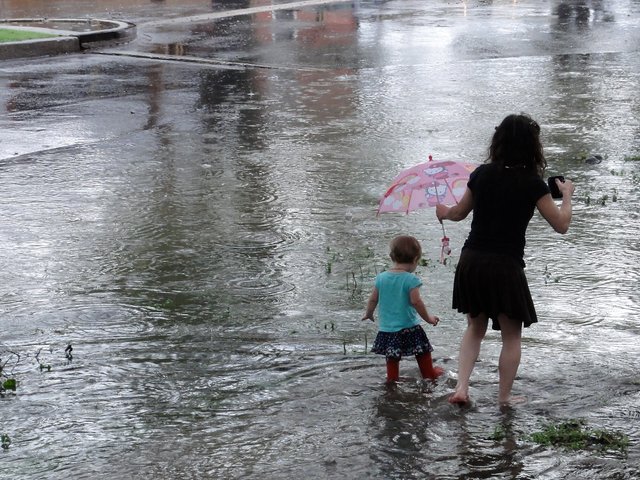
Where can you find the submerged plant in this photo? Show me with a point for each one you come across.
(6, 441)
(349, 347)
(331, 258)
(358, 265)
(7, 381)
(574, 435)
(499, 434)
(43, 366)
(9, 384)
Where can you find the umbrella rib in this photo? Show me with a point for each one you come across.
(409, 202)
(451, 190)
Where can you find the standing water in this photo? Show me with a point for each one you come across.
(194, 213)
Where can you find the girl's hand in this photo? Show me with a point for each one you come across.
(368, 316)
(433, 320)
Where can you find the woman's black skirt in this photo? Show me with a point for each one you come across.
(492, 283)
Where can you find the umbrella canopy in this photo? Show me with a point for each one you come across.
(426, 185)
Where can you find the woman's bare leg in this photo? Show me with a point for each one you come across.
(469, 351)
(511, 331)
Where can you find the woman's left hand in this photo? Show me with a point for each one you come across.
(441, 212)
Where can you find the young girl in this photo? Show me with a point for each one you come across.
(396, 293)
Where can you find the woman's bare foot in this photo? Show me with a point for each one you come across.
(513, 401)
(459, 398)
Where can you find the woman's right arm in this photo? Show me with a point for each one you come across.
(459, 211)
(558, 217)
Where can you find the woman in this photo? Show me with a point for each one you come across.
(489, 281)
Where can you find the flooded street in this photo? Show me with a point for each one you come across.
(194, 212)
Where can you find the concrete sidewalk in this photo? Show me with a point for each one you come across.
(67, 40)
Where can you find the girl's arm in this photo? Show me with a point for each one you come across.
(457, 212)
(372, 303)
(418, 304)
(558, 217)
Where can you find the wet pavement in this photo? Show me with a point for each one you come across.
(194, 212)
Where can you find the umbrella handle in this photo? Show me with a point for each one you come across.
(445, 250)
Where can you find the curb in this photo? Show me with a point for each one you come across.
(68, 41)
(40, 47)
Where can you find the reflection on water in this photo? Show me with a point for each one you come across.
(205, 239)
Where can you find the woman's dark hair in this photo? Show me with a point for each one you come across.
(516, 144)
(405, 249)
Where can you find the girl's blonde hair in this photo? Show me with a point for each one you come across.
(405, 249)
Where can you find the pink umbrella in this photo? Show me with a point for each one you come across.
(426, 185)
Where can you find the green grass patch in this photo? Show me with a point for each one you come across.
(574, 435)
(11, 35)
